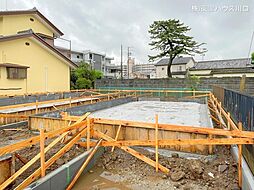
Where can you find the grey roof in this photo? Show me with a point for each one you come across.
(176, 61)
(223, 64)
(235, 70)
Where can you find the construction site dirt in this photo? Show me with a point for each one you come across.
(119, 170)
(14, 135)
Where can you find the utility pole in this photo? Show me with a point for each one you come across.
(128, 60)
(121, 61)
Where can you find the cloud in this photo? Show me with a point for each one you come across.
(104, 25)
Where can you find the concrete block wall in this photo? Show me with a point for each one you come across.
(205, 83)
(5, 101)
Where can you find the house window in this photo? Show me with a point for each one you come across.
(162, 68)
(90, 56)
(16, 73)
(27, 44)
(78, 56)
(180, 68)
(31, 19)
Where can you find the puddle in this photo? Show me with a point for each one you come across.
(100, 179)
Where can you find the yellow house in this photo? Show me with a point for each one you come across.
(12, 22)
(29, 62)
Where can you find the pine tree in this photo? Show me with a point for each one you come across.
(170, 40)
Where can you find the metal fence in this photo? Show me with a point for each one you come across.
(241, 108)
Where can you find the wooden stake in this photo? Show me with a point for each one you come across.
(228, 121)
(220, 113)
(117, 134)
(84, 165)
(216, 120)
(22, 159)
(36, 106)
(42, 141)
(210, 147)
(13, 163)
(88, 133)
(240, 126)
(156, 143)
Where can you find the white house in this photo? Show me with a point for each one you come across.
(179, 67)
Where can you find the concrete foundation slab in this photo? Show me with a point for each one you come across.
(179, 113)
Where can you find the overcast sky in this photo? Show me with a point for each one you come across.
(102, 25)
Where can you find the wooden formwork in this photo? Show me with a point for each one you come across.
(116, 137)
(143, 133)
(128, 132)
(22, 115)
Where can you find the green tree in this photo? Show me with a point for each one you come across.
(84, 77)
(193, 82)
(252, 58)
(169, 38)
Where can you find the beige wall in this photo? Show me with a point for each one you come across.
(1, 25)
(234, 75)
(12, 24)
(46, 73)
(201, 73)
(206, 74)
(161, 71)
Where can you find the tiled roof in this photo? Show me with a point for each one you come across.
(236, 70)
(223, 64)
(176, 61)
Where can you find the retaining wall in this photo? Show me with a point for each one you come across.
(5, 101)
(204, 83)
